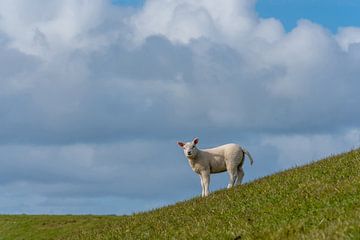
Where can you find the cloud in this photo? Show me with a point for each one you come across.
(274, 84)
(295, 149)
(348, 37)
(48, 28)
(94, 96)
(117, 168)
(232, 22)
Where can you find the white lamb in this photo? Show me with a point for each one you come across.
(228, 157)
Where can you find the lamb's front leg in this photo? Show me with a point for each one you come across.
(202, 187)
(205, 179)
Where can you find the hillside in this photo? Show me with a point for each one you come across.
(317, 201)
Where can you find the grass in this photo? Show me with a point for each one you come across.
(317, 201)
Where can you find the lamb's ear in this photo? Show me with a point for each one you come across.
(181, 144)
(196, 141)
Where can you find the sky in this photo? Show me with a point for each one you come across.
(95, 94)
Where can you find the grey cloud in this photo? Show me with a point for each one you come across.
(15, 63)
(122, 169)
(102, 96)
(156, 59)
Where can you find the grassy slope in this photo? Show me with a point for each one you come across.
(317, 201)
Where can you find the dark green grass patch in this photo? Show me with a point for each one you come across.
(317, 201)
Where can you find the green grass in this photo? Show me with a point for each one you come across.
(317, 201)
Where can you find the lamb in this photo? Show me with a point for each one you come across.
(228, 157)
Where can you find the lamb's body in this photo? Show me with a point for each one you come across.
(228, 157)
(218, 159)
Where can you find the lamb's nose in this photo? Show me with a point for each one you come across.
(189, 153)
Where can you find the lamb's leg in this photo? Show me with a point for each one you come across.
(202, 187)
(240, 175)
(232, 177)
(206, 181)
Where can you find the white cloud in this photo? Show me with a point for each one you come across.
(232, 22)
(348, 36)
(45, 28)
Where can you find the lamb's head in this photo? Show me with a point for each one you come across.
(190, 149)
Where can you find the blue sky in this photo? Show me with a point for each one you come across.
(95, 94)
(331, 14)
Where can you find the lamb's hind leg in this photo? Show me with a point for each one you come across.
(232, 177)
(240, 175)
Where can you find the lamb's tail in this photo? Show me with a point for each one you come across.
(248, 154)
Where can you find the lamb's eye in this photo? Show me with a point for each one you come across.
(193, 146)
